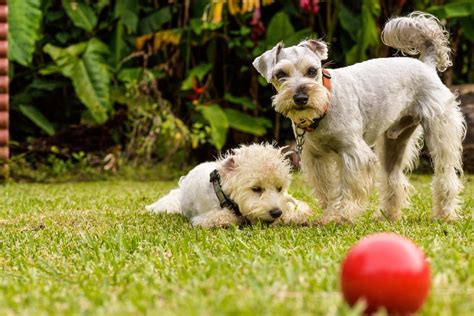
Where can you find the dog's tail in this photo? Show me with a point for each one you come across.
(419, 33)
(170, 203)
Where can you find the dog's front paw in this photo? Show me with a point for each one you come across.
(450, 217)
(298, 213)
(382, 215)
(336, 219)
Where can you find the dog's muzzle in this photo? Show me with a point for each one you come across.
(300, 98)
(275, 213)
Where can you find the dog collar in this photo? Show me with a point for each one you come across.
(312, 125)
(326, 79)
(224, 200)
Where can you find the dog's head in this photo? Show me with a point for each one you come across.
(296, 74)
(257, 178)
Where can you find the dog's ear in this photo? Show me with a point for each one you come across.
(229, 163)
(318, 47)
(265, 62)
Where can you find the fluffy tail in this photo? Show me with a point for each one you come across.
(170, 203)
(419, 33)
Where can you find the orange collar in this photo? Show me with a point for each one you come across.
(326, 79)
(315, 122)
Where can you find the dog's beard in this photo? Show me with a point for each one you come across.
(318, 99)
(258, 210)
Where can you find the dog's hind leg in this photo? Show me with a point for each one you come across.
(444, 134)
(397, 155)
(170, 203)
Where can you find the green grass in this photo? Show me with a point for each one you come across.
(90, 248)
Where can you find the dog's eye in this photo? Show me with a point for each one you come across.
(312, 72)
(279, 189)
(281, 74)
(257, 189)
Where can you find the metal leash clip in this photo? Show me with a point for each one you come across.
(299, 140)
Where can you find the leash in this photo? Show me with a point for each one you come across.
(311, 125)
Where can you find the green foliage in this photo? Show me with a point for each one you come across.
(245, 102)
(85, 65)
(154, 21)
(462, 10)
(458, 9)
(81, 14)
(367, 34)
(127, 12)
(279, 28)
(24, 17)
(193, 61)
(247, 123)
(38, 118)
(197, 72)
(218, 122)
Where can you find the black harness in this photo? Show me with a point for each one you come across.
(224, 200)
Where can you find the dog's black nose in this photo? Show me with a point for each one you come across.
(275, 213)
(300, 98)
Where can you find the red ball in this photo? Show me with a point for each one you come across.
(386, 270)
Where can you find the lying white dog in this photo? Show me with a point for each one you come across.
(248, 185)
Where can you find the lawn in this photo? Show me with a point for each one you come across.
(90, 248)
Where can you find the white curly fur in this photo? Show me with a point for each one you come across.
(384, 105)
(240, 170)
(419, 33)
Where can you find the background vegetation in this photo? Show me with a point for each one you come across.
(105, 83)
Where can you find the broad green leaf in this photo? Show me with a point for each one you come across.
(297, 37)
(38, 118)
(458, 10)
(244, 101)
(72, 50)
(196, 26)
(245, 123)
(154, 21)
(437, 10)
(199, 72)
(263, 121)
(119, 48)
(127, 13)
(46, 85)
(80, 14)
(84, 64)
(218, 121)
(130, 74)
(279, 29)
(350, 21)
(24, 19)
(49, 69)
(367, 35)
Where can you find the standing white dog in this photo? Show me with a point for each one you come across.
(248, 185)
(388, 103)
